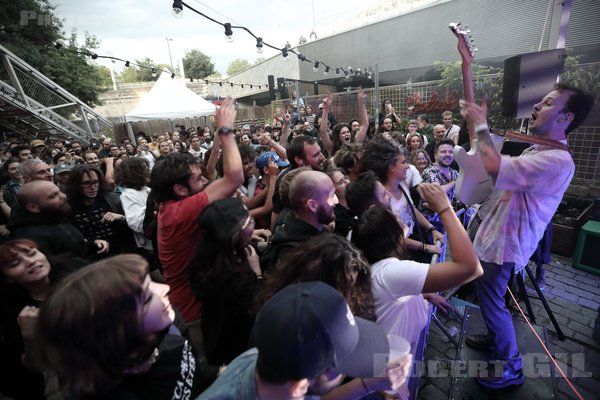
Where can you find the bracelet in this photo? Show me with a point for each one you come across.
(423, 246)
(431, 228)
(445, 209)
(224, 131)
(260, 276)
(365, 386)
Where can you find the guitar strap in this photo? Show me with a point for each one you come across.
(554, 144)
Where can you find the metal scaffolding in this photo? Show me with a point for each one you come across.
(34, 106)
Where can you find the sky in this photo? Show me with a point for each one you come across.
(134, 29)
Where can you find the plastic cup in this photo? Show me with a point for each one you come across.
(399, 347)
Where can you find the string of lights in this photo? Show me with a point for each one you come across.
(94, 56)
(177, 10)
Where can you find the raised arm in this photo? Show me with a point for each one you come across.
(211, 164)
(267, 140)
(233, 174)
(327, 142)
(285, 131)
(465, 265)
(364, 117)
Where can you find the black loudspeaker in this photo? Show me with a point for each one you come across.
(271, 79)
(282, 89)
(528, 78)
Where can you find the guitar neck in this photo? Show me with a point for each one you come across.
(469, 93)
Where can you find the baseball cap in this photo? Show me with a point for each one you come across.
(63, 167)
(307, 328)
(37, 142)
(222, 218)
(263, 160)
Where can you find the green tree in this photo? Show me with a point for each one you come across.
(583, 76)
(486, 81)
(197, 65)
(259, 60)
(237, 65)
(30, 31)
(105, 79)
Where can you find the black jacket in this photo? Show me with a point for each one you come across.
(289, 235)
(53, 233)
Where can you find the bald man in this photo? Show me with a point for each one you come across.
(41, 216)
(438, 134)
(312, 197)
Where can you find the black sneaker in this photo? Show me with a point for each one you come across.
(481, 342)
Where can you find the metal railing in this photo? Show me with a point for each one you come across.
(34, 106)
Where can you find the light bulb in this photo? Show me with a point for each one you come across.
(229, 38)
(177, 8)
(259, 50)
(177, 12)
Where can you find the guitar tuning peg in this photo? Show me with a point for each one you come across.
(475, 49)
(468, 30)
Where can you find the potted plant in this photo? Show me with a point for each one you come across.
(572, 213)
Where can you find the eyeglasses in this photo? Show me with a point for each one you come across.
(89, 184)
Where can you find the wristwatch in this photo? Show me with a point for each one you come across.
(224, 131)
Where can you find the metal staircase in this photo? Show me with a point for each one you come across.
(34, 106)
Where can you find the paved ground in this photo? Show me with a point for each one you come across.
(574, 297)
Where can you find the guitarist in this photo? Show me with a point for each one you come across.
(531, 187)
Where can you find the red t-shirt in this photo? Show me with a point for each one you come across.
(178, 237)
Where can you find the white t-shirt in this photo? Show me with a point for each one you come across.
(452, 132)
(400, 306)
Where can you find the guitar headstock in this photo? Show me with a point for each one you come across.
(466, 46)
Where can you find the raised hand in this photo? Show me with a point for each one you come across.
(225, 115)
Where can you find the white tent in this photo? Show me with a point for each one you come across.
(170, 99)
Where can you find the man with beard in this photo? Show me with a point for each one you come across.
(41, 215)
(302, 151)
(312, 197)
(530, 188)
(442, 174)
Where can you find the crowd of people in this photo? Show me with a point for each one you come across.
(253, 262)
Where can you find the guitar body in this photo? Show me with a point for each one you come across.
(473, 185)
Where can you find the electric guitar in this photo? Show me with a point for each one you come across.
(474, 184)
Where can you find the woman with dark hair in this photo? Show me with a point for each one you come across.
(342, 132)
(110, 332)
(398, 283)
(330, 259)
(134, 174)
(388, 111)
(390, 163)
(96, 212)
(26, 277)
(225, 275)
